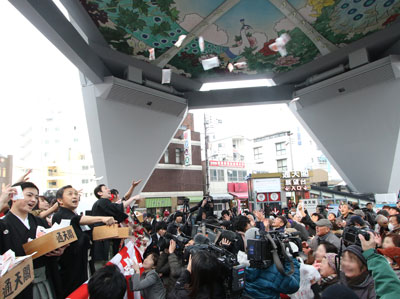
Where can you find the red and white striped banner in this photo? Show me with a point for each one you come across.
(121, 259)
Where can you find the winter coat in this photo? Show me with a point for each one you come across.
(269, 283)
(387, 284)
(329, 237)
(149, 284)
(181, 292)
(364, 290)
(306, 220)
(301, 229)
(164, 270)
(176, 268)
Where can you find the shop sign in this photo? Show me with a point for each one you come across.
(226, 164)
(296, 180)
(268, 197)
(158, 202)
(267, 185)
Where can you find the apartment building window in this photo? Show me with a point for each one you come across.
(322, 160)
(258, 153)
(85, 167)
(217, 175)
(242, 175)
(166, 157)
(52, 184)
(177, 156)
(52, 171)
(81, 157)
(280, 148)
(282, 165)
(232, 175)
(85, 181)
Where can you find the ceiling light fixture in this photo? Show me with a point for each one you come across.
(237, 84)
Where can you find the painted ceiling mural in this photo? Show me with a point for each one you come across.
(242, 33)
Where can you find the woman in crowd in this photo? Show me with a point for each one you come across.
(391, 240)
(43, 208)
(148, 283)
(322, 249)
(328, 271)
(201, 280)
(355, 273)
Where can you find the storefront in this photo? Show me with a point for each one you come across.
(157, 205)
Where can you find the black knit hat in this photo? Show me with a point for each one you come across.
(178, 214)
(338, 291)
(357, 251)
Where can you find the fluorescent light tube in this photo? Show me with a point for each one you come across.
(237, 84)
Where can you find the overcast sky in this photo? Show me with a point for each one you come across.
(33, 71)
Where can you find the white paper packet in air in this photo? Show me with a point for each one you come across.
(230, 67)
(166, 76)
(201, 44)
(152, 55)
(180, 41)
(240, 65)
(210, 63)
(280, 43)
(19, 194)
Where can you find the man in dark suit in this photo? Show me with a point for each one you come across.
(152, 221)
(158, 242)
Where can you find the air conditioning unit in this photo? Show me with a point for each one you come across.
(373, 73)
(115, 89)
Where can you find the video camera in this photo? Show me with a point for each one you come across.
(269, 248)
(181, 240)
(232, 271)
(350, 235)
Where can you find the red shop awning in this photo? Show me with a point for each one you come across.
(240, 195)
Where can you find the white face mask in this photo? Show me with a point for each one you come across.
(390, 226)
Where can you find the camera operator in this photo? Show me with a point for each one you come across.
(206, 208)
(323, 233)
(225, 216)
(241, 225)
(387, 285)
(269, 282)
(201, 279)
(173, 226)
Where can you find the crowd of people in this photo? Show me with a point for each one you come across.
(191, 253)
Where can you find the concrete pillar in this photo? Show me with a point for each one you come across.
(359, 133)
(130, 127)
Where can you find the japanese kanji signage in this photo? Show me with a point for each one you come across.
(226, 164)
(15, 280)
(50, 241)
(187, 147)
(296, 180)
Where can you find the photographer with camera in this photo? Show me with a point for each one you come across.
(241, 225)
(173, 226)
(272, 271)
(202, 278)
(206, 208)
(387, 284)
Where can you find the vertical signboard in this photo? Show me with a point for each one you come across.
(187, 137)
